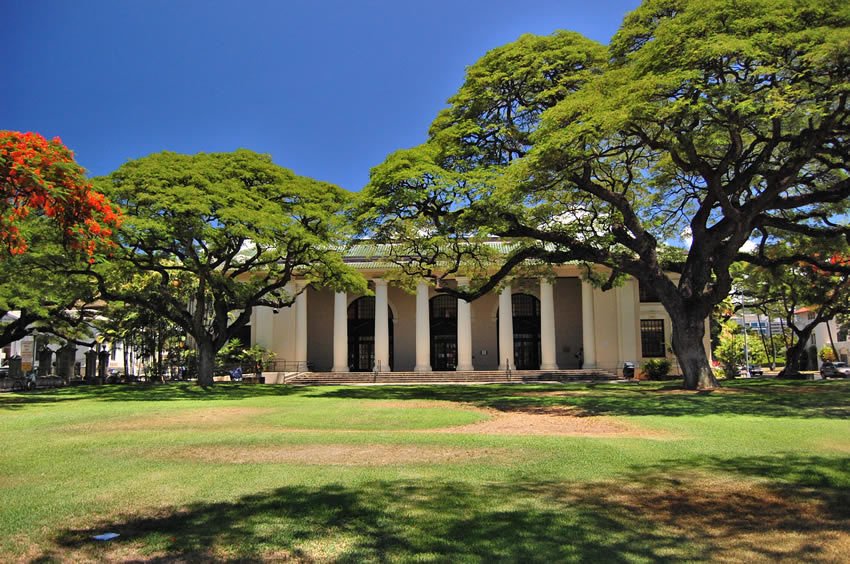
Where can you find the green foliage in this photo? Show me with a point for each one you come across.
(45, 286)
(231, 351)
(710, 120)
(782, 290)
(656, 368)
(730, 352)
(257, 357)
(218, 234)
(827, 354)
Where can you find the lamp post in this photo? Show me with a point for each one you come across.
(746, 344)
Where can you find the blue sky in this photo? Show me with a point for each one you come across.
(328, 88)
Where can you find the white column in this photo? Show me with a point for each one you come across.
(506, 330)
(628, 322)
(382, 333)
(548, 353)
(340, 332)
(423, 330)
(588, 326)
(301, 328)
(464, 331)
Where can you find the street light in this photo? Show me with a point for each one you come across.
(746, 344)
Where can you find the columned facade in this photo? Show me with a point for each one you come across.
(558, 322)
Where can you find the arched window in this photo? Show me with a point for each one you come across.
(361, 334)
(443, 316)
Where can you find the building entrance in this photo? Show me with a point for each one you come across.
(443, 320)
(361, 334)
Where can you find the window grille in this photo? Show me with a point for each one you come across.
(652, 338)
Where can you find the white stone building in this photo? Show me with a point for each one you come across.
(560, 323)
(820, 337)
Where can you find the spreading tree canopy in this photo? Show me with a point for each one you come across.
(705, 124)
(220, 234)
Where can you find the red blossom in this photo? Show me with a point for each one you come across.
(41, 176)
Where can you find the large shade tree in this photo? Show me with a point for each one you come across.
(705, 124)
(219, 234)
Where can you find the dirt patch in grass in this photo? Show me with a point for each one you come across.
(421, 404)
(837, 445)
(339, 455)
(209, 417)
(555, 393)
(555, 421)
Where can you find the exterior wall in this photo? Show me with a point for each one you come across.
(403, 306)
(606, 330)
(568, 330)
(820, 339)
(283, 331)
(485, 341)
(262, 327)
(320, 328)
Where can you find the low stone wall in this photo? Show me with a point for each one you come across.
(277, 377)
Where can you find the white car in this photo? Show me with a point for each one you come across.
(835, 370)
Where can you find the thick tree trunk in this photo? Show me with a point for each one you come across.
(688, 333)
(794, 354)
(206, 362)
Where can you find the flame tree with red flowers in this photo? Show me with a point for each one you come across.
(38, 176)
(53, 226)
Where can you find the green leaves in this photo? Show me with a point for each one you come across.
(218, 234)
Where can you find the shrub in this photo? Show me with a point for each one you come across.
(827, 354)
(656, 368)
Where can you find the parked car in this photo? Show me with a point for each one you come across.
(835, 370)
(756, 371)
(752, 372)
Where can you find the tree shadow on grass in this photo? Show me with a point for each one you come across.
(650, 516)
(791, 476)
(768, 398)
(181, 391)
(774, 398)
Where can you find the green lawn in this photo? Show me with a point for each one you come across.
(597, 472)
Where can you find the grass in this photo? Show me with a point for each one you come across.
(759, 471)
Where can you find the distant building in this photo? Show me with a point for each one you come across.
(821, 335)
(28, 347)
